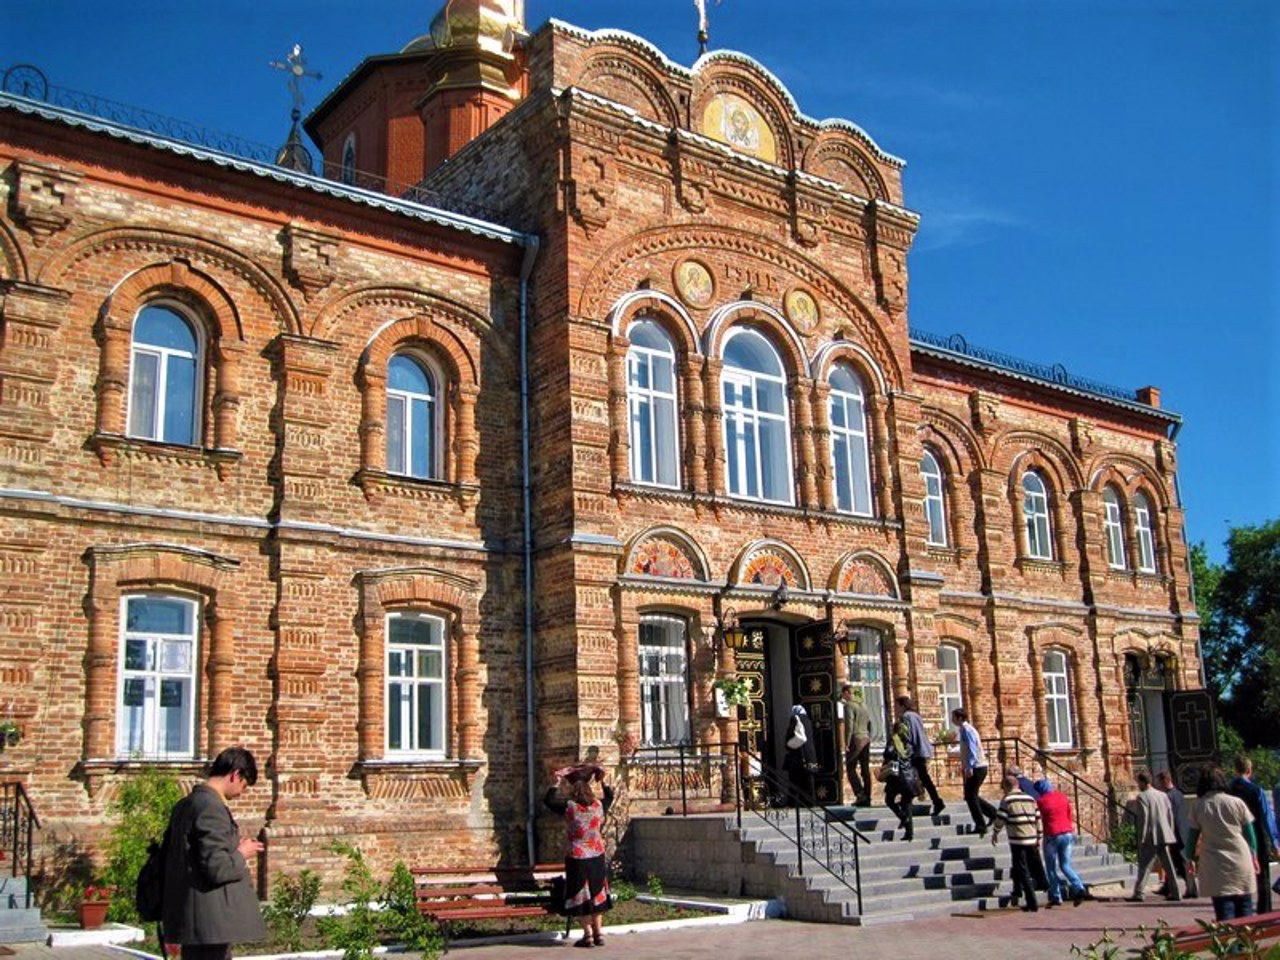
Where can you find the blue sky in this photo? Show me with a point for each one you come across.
(1099, 180)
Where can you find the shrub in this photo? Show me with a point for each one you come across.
(142, 808)
(623, 890)
(1124, 840)
(291, 901)
(403, 922)
(357, 932)
(654, 883)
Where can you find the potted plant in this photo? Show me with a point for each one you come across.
(92, 909)
(736, 690)
(10, 733)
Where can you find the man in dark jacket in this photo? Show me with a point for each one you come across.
(209, 899)
(1255, 798)
(921, 749)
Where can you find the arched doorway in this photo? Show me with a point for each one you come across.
(1148, 680)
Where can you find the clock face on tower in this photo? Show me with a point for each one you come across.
(26, 81)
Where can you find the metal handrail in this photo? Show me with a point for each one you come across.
(830, 841)
(18, 823)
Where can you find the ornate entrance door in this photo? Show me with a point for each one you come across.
(753, 717)
(813, 686)
(1193, 734)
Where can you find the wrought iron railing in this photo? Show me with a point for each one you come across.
(18, 823)
(1049, 373)
(715, 772)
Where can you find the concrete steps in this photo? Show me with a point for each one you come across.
(18, 923)
(945, 868)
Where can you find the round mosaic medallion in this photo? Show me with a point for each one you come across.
(801, 308)
(694, 283)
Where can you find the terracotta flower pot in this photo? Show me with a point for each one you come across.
(92, 913)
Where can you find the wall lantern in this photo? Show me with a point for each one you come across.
(850, 637)
(729, 632)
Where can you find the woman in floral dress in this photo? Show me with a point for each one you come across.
(585, 865)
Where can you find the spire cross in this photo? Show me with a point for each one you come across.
(703, 35)
(296, 66)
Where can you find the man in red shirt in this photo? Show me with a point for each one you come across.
(1059, 837)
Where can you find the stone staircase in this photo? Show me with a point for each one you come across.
(946, 868)
(18, 922)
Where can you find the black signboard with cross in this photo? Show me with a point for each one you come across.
(1193, 734)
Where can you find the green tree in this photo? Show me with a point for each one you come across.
(1239, 605)
(143, 807)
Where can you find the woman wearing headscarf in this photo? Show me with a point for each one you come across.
(1226, 864)
(802, 756)
(586, 867)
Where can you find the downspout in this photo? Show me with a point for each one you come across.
(526, 269)
(1174, 430)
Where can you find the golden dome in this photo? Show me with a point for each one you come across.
(482, 24)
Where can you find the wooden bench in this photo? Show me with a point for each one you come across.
(1264, 927)
(452, 895)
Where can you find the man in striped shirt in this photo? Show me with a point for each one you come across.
(1019, 814)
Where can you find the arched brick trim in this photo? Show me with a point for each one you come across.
(768, 321)
(876, 566)
(1130, 475)
(834, 155)
(1062, 526)
(678, 538)
(460, 444)
(207, 304)
(614, 71)
(114, 572)
(727, 72)
(1067, 639)
(13, 265)
(448, 595)
(789, 558)
(658, 306)
(842, 351)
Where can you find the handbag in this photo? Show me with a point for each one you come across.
(798, 737)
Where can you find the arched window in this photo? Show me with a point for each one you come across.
(1057, 699)
(651, 400)
(164, 377)
(757, 434)
(664, 681)
(412, 419)
(159, 663)
(1113, 524)
(415, 678)
(1035, 517)
(949, 672)
(1146, 533)
(349, 160)
(849, 456)
(935, 510)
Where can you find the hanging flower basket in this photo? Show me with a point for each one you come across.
(736, 690)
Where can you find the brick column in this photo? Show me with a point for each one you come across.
(619, 420)
(100, 677)
(879, 426)
(820, 399)
(467, 447)
(628, 637)
(373, 420)
(226, 398)
(466, 650)
(220, 668)
(113, 374)
(712, 417)
(695, 433)
(369, 682)
(800, 391)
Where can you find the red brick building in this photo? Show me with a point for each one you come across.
(265, 475)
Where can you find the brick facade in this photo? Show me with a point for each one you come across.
(286, 523)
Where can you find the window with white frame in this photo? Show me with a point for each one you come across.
(935, 510)
(1035, 517)
(651, 402)
(159, 655)
(349, 159)
(164, 376)
(1113, 524)
(757, 434)
(413, 414)
(664, 685)
(415, 679)
(1146, 533)
(865, 669)
(949, 672)
(849, 452)
(1057, 699)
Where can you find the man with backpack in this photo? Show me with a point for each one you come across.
(208, 900)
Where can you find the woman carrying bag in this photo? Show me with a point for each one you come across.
(901, 783)
(802, 757)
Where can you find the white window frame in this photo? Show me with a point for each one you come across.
(1113, 527)
(407, 705)
(667, 685)
(150, 747)
(935, 506)
(855, 435)
(742, 424)
(1037, 530)
(164, 355)
(1145, 533)
(865, 670)
(952, 677)
(643, 404)
(435, 425)
(1055, 672)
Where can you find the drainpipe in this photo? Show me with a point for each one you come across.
(526, 269)
(1174, 430)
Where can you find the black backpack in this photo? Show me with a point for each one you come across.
(148, 895)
